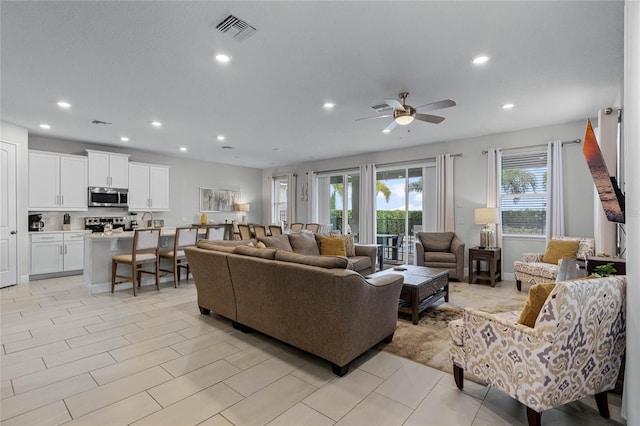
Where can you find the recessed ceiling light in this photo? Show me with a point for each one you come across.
(226, 147)
(480, 59)
(183, 149)
(124, 139)
(507, 106)
(329, 105)
(156, 124)
(220, 138)
(386, 130)
(63, 104)
(223, 58)
(45, 126)
(276, 149)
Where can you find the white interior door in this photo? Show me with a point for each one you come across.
(8, 216)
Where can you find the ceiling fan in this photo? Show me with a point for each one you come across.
(404, 114)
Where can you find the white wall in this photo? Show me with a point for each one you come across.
(186, 177)
(631, 142)
(18, 136)
(470, 178)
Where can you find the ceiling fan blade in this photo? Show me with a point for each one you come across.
(445, 103)
(435, 119)
(391, 125)
(375, 116)
(394, 103)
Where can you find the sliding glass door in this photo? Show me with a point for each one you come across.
(338, 202)
(405, 204)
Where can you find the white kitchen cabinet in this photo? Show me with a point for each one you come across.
(57, 181)
(148, 187)
(56, 252)
(108, 170)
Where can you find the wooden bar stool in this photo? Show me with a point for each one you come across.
(144, 253)
(185, 237)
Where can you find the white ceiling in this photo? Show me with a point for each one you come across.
(133, 62)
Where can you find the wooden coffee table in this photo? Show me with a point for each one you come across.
(422, 287)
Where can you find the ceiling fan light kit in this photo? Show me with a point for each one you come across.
(404, 114)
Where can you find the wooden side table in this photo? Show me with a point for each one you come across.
(493, 258)
(618, 263)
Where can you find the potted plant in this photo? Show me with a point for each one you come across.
(605, 270)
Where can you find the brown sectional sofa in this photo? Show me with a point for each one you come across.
(314, 303)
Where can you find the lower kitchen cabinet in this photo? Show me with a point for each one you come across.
(56, 252)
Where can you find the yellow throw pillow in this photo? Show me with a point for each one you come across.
(261, 245)
(557, 249)
(537, 296)
(332, 247)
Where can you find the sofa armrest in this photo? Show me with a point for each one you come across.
(531, 257)
(457, 248)
(369, 250)
(419, 253)
(385, 280)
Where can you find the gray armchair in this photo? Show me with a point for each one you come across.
(441, 250)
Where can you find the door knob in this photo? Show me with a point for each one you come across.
(13, 232)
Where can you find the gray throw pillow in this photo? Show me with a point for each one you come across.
(304, 243)
(278, 242)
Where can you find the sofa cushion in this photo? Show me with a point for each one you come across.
(436, 241)
(557, 249)
(278, 242)
(328, 262)
(438, 256)
(216, 246)
(349, 244)
(359, 263)
(537, 296)
(264, 253)
(332, 247)
(304, 243)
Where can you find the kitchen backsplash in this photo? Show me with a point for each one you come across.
(53, 220)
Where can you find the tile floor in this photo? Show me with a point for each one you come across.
(71, 358)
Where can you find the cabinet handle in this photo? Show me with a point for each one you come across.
(60, 249)
(62, 200)
(47, 238)
(65, 249)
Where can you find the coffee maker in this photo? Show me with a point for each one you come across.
(35, 223)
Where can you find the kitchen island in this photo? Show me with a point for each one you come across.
(100, 247)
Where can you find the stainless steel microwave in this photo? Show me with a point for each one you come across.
(108, 197)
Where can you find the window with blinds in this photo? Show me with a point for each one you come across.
(524, 193)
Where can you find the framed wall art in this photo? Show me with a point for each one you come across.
(218, 200)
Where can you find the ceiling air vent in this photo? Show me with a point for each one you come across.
(236, 28)
(226, 147)
(101, 123)
(381, 108)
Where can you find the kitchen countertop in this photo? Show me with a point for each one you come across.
(73, 231)
(164, 232)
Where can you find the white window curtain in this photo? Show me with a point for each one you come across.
(270, 218)
(367, 204)
(445, 218)
(291, 197)
(494, 180)
(555, 193)
(310, 196)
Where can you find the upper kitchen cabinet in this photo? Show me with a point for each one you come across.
(148, 187)
(57, 181)
(108, 169)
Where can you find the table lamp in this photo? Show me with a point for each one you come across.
(486, 216)
(243, 207)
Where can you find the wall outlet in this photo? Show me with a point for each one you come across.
(459, 204)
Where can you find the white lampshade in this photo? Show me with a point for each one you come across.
(243, 207)
(403, 120)
(485, 215)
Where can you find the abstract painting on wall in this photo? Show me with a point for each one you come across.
(218, 200)
(611, 197)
